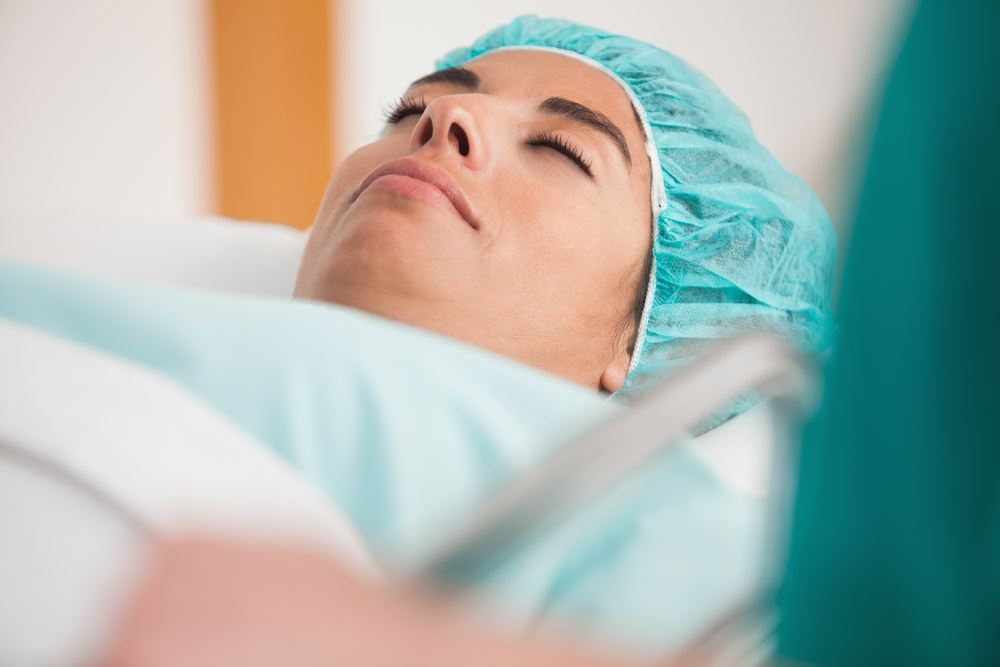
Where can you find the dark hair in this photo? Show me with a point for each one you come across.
(639, 302)
(633, 318)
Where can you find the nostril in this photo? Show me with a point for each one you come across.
(427, 132)
(457, 134)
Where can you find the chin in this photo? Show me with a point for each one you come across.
(381, 250)
(387, 218)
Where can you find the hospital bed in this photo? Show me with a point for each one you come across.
(57, 501)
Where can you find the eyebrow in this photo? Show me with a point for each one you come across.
(560, 106)
(456, 76)
(555, 106)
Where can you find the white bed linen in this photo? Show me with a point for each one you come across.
(209, 251)
(84, 435)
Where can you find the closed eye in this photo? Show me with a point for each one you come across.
(403, 107)
(561, 145)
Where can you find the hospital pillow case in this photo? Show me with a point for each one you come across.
(203, 251)
(408, 432)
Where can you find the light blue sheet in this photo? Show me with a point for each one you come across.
(408, 432)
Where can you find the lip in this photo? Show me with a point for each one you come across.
(435, 176)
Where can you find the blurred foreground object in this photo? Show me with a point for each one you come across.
(201, 605)
(895, 548)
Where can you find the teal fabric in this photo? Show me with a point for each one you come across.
(742, 244)
(408, 432)
(895, 544)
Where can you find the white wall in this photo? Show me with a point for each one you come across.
(105, 104)
(800, 69)
(103, 107)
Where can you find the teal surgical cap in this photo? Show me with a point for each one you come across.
(739, 244)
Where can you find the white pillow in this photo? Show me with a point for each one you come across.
(208, 251)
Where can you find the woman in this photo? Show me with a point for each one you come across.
(579, 201)
(571, 199)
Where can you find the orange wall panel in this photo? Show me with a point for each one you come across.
(272, 107)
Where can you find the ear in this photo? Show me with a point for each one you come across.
(613, 376)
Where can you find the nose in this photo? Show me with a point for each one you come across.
(453, 124)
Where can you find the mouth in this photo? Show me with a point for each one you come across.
(439, 180)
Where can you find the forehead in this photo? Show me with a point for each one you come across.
(536, 75)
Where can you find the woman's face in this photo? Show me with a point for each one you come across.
(506, 205)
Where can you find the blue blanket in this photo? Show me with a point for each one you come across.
(408, 432)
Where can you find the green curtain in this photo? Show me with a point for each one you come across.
(894, 555)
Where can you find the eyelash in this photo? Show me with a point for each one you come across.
(403, 107)
(556, 142)
(409, 106)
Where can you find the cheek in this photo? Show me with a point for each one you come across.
(556, 244)
(562, 221)
(351, 172)
(568, 247)
(347, 177)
